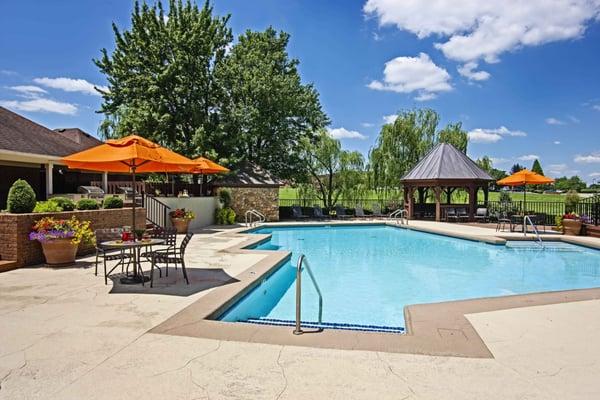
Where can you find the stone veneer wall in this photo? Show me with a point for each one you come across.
(14, 230)
(263, 199)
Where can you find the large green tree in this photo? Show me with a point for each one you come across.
(267, 110)
(161, 77)
(537, 167)
(455, 135)
(333, 171)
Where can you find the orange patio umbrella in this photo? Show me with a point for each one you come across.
(206, 167)
(130, 154)
(523, 178)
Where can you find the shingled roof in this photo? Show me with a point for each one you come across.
(446, 162)
(20, 134)
(249, 175)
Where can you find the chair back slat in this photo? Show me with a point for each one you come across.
(184, 243)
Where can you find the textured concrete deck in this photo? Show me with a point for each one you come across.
(65, 335)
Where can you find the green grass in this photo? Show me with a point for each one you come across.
(291, 193)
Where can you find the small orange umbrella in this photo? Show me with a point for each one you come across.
(130, 154)
(523, 178)
(206, 167)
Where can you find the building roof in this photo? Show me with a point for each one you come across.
(446, 162)
(22, 135)
(250, 175)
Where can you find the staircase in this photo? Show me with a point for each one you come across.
(157, 212)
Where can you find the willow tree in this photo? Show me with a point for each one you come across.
(161, 77)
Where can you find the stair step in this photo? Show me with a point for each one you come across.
(328, 325)
(7, 265)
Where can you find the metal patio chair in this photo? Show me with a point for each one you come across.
(108, 254)
(174, 257)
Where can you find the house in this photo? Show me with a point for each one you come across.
(33, 152)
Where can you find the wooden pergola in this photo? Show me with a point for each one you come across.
(443, 170)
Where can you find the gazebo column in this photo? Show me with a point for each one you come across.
(437, 191)
(486, 190)
(410, 191)
(472, 202)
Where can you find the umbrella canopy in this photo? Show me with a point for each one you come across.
(525, 177)
(129, 154)
(206, 167)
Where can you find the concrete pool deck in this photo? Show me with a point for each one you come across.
(65, 335)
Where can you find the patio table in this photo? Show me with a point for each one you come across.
(135, 246)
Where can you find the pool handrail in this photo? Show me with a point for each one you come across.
(248, 217)
(303, 261)
(401, 216)
(527, 219)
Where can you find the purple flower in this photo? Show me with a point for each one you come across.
(45, 236)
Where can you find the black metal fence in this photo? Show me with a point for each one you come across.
(590, 207)
(366, 203)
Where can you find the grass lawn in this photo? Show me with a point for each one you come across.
(290, 193)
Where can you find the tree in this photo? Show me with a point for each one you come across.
(485, 163)
(537, 167)
(267, 111)
(161, 77)
(516, 168)
(455, 135)
(332, 169)
(573, 183)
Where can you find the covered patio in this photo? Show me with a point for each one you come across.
(443, 170)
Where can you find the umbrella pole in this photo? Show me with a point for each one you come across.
(133, 196)
(524, 208)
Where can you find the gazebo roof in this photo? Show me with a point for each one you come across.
(249, 175)
(445, 162)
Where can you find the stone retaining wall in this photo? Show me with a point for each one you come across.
(263, 199)
(14, 230)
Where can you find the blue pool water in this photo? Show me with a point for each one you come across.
(368, 274)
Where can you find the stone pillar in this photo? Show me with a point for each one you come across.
(49, 179)
(437, 191)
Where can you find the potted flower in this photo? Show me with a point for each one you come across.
(180, 218)
(571, 224)
(60, 238)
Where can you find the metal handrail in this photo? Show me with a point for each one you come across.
(156, 210)
(526, 219)
(302, 260)
(400, 215)
(248, 217)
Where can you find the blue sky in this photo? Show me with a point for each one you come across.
(523, 78)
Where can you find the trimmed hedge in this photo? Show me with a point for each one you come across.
(64, 203)
(225, 216)
(87, 204)
(21, 198)
(46, 206)
(113, 202)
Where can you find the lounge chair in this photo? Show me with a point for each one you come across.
(297, 213)
(377, 211)
(502, 220)
(451, 214)
(481, 215)
(318, 213)
(360, 213)
(462, 214)
(340, 213)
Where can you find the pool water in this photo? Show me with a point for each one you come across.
(368, 274)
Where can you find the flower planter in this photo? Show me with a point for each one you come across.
(571, 227)
(59, 252)
(181, 224)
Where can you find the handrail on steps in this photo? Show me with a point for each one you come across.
(250, 213)
(303, 261)
(400, 215)
(527, 219)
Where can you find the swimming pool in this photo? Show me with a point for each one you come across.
(367, 274)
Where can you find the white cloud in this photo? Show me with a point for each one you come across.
(529, 157)
(594, 174)
(596, 107)
(468, 71)
(472, 30)
(390, 119)
(574, 119)
(554, 121)
(70, 85)
(556, 142)
(28, 90)
(343, 133)
(425, 96)
(40, 105)
(367, 125)
(557, 169)
(499, 160)
(593, 158)
(7, 72)
(481, 135)
(413, 74)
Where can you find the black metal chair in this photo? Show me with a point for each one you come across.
(297, 213)
(318, 213)
(503, 218)
(175, 256)
(481, 214)
(340, 212)
(108, 254)
(169, 235)
(462, 214)
(451, 214)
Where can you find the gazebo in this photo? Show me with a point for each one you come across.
(444, 169)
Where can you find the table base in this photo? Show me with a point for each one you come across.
(134, 279)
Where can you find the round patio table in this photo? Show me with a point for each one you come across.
(136, 246)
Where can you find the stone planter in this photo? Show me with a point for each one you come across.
(181, 224)
(571, 227)
(59, 252)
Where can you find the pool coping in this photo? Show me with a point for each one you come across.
(440, 329)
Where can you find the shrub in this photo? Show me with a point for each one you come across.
(504, 197)
(571, 200)
(113, 202)
(225, 198)
(46, 206)
(64, 203)
(21, 198)
(225, 216)
(87, 204)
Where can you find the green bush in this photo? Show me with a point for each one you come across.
(87, 204)
(64, 203)
(571, 200)
(47, 206)
(113, 202)
(225, 216)
(504, 197)
(225, 198)
(21, 198)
